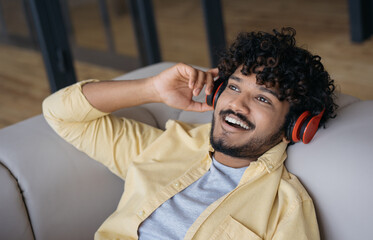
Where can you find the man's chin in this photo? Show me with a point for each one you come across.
(221, 146)
(253, 148)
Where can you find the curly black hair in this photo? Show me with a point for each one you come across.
(278, 62)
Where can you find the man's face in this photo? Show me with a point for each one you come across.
(248, 118)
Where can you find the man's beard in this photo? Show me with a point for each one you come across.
(253, 149)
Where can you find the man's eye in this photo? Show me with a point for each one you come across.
(232, 87)
(262, 99)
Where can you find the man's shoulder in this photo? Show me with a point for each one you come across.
(291, 188)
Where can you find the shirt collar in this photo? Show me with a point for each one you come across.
(274, 157)
(271, 159)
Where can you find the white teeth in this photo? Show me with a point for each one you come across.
(237, 122)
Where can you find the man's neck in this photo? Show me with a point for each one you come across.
(232, 161)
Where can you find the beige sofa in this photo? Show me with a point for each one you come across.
(49, 190)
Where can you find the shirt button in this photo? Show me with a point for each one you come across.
(141, 213)
(177, 184)
(270, 167)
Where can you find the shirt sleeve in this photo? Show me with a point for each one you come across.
(300, 223)
(108, 139)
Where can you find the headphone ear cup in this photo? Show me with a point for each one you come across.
(289, 130)
(218, 92)
(310, 127)
(219, 86)
(297, 126)
(210, 98)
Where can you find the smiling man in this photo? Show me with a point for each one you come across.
(224, 180)
(248, 120)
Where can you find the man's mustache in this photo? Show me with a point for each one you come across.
(238, 115)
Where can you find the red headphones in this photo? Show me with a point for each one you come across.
(303, 128)
(219, 86)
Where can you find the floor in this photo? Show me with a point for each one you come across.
(322, 27)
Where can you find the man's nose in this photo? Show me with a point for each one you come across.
(241, 104)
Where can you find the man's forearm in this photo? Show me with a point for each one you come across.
(174, 87)
(109, 96)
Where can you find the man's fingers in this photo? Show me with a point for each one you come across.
(204, 78)
(198, 79)
(214, 72)
(201, 79)
(209, 83)
(193, 77)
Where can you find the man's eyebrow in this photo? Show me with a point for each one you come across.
(269, 91)
(238, 79)
(262, 88)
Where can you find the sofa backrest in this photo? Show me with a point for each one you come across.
(336, 168)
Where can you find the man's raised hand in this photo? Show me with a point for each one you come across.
(177, 85)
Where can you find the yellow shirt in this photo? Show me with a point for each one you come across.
(268, 203)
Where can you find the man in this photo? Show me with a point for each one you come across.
(179, 186)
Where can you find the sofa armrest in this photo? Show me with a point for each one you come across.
(12, 208)
(67, 195)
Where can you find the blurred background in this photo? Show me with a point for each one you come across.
(103, 42)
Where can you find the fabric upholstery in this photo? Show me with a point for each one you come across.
(12, 209)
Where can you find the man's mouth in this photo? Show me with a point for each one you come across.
(236, 120)
(236, 123)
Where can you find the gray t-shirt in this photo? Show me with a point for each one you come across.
(174, 217)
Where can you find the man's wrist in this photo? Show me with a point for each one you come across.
(151, 90)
